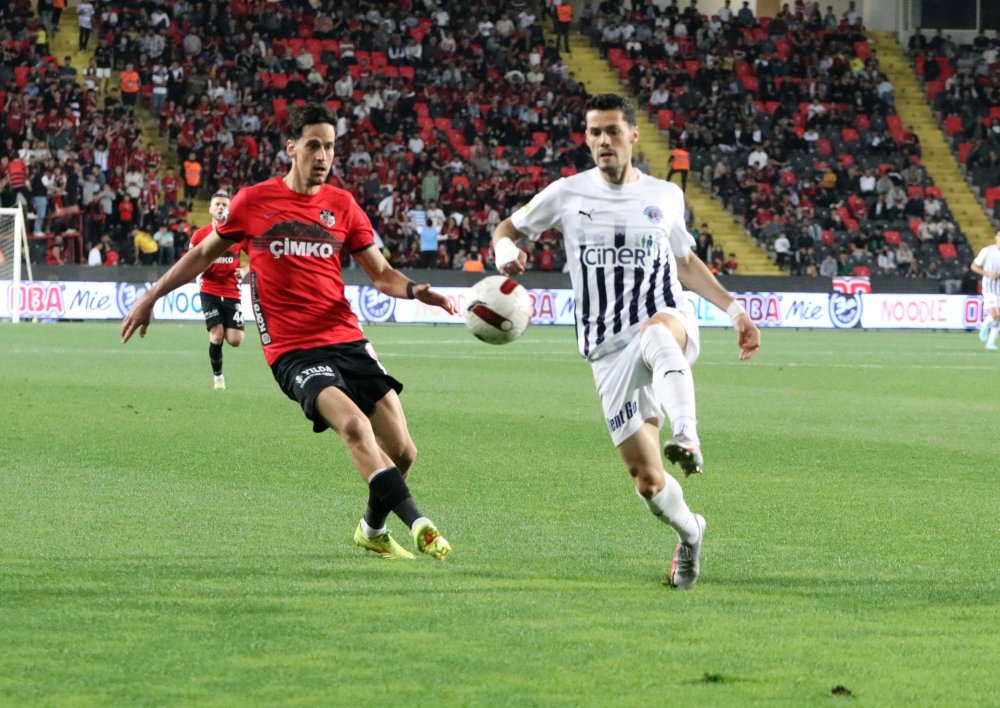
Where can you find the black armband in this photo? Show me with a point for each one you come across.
(409, 290)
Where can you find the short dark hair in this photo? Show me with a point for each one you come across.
(221, 194)
(309, 114)
(613, 102)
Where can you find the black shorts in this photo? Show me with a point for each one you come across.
(226, 311)
(351, 367)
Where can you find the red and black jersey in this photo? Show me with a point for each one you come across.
(220, 277)
(296, 242)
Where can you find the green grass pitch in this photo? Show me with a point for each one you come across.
(162, 543)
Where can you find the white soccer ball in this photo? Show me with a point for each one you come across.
(499, 310)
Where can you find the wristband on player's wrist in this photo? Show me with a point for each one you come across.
(409, 290)
(734, 310)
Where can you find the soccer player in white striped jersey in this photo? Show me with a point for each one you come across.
(629, 252)
(987, 264)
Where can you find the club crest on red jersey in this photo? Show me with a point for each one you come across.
(327, 217)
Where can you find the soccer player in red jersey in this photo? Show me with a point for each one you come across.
(220, 292)
(295, 229)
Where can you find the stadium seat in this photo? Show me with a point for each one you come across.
(948, 251)
(861, 271)
(280, 106)
(934, 88)
(539, 137)
(849, 135)
(952, 124)
(915, 192)
(992, 196)
(894, 123)
(862, 50)
(893, 238)
(862, 122)
(664, 117)
(279, 81)
(442, 123)
(406, 72)
(567, 171)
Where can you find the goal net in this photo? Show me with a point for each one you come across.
(14, 263)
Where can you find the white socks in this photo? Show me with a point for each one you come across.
(673, 382)
(994, 332)
(670, 508)
(369, 531)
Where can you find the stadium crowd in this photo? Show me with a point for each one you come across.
(790, 121)
(787, 119)
(963, 85)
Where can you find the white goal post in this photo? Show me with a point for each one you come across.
(13, 249)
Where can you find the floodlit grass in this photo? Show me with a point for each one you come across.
(165, 543)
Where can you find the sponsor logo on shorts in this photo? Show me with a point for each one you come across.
(312, 372)
(623, 416)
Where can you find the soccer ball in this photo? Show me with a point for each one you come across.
(499, 311)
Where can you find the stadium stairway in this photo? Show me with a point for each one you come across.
(589, 68)
(938, 158)
(65, 43)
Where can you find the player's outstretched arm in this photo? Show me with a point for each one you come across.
(696, 277)
(183, 271)
(391, 282)
(510, 260)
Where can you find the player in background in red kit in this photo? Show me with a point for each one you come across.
(220, 292)
(295, 229)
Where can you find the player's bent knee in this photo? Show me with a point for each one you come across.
(235, 339)
(353, 429)
(404, 456)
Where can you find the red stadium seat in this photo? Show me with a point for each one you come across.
(823, 147)
(280, 106)
(567, 171)
(952, 124)
(664, 117)
(862, 50)
(933, 191)
(691, 66)
(827, 238)
(861, 271)
(915, 225)
(442, 123)
(934, 88)
(750, 83)
(849, 135)
(992, 195)
(894, 123)
(948, 251)
(846, 158)
(915, 192)
(862, 122)
(539, 138)
(893, 238)
(994, 111)
(406, 72)
(963, 152)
